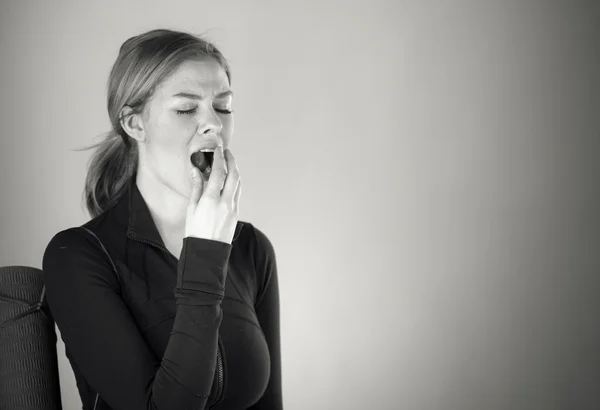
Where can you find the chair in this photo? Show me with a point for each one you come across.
(28, 359)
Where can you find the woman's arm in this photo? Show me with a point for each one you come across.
(104, 341)
(267, 311)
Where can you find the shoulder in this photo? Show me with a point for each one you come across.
(76, 237)
(263, 243)
(262, 253)
(67, 239)
(259, 244)
(72, 253)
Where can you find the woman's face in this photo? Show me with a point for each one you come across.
(190, 110)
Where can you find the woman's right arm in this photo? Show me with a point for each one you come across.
(104, 341)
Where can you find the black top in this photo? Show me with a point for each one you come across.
(161, 333)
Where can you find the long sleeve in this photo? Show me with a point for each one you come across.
(83, 294)
(267, 310)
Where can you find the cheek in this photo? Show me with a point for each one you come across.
(228, 127)
(170, 135)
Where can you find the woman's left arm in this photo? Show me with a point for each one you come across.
(267, 311)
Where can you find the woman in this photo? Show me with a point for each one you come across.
(164, 299)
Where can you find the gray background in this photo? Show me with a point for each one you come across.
(427, 172)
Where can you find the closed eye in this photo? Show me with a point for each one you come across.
(184, 112)
(193, 111)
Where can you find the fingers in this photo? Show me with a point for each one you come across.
(232, 180)
(224, 181)
(236, 198)
(197, 185)
(217, 174)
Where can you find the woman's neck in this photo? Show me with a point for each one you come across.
(167, 206)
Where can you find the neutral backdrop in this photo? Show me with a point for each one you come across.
(427, 172)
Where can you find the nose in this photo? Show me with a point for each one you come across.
(210, 124)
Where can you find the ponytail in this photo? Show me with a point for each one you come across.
(110, 168)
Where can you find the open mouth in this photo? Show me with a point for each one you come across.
(203, 160)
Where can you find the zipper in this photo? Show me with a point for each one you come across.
(220, 377)
(220, 372)
(154, 244)
(220, 367)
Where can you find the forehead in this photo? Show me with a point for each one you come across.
(204, 76)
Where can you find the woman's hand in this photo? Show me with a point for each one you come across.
(213, 212)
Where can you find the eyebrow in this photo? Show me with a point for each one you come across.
(199, 97)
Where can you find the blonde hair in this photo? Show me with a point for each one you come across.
(144, 61)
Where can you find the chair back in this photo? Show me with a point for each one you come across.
(28, 360)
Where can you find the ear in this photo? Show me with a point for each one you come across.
(132, 124)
